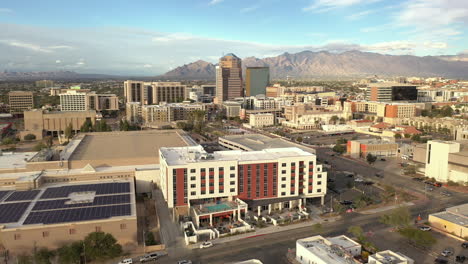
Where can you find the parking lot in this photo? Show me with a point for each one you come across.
(385, 238)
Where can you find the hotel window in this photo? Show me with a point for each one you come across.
(193, 170)
(193, 178)
(283, 193)
(123, 226)
(203, 192)
(319, 176)
(17, 236)
(45, 234)
(211, 169)
(211, 191)
(283, 172)
(232, 189)
(283, 185)
(221, 169)
(319, 182)
(98, 229)
(232, 182)
(193, 185)
(233, 175)
(319, 190)
(283, 164)
(72, 231)
(203, 170)
(233, 167)
(193, 193)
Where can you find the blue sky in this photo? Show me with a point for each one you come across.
(147, 37)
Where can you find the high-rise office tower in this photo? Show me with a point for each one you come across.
(229, 78)
(256, 80)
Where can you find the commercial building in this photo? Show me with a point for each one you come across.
(255, 142)
(320, 250)
(275, 91)
(388, 256)
(149, 93)
(453, 220)
(453, 125)
(447, 160)
(389, 92)
(256, 80)
(245, 114)
(265, 180)
(232, 108)
(307, 116)
(20, 101)
(262, 120)
(229, 78)
(376, 147)
(79, 100)
(39, 122)
(57, 214)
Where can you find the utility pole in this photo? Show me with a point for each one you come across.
(144, 242)
(84, 252)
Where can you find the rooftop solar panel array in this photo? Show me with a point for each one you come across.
(12, 212)
(98, 200)
(22, 196)
(77, 214)
(3, 194)
(100, 189)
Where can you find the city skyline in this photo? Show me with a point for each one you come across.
(150, 38)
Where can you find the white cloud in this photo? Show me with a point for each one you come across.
(32, 46)
(58, 61)
(6, 10)
(249, 9)
(327, 5)
(214, 2)
(173, 37)
(147, 66)
(360, 15)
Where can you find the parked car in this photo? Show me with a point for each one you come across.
(429, 188)
(437, 184)
(418, 179)
(357, 179)
(149, 257)
(445, 193)
(206, 245)
(368, 182)
(184, 262)
(440, 261)
(346, 202)
(464, 245)
(382, 159)
(460, 259)
(425, 228)
(126, 261)
(447, 252)
(379, 174)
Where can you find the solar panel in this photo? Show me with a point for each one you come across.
(3, 194)
(77, 214)
(98, 200)
(22, 196)
(100, 189)
(12, 212)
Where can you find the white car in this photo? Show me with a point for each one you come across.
(359, 179)
(206, 245)
(425, 228)
(447, 253)
(126, 261)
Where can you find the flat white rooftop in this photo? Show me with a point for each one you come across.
(196, 154)
(15, 160)
(324, 250)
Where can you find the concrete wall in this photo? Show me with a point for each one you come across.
(449, 227)
(146, 179)
(24, 239)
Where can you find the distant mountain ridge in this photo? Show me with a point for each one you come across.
(52, 75)
(308, 64)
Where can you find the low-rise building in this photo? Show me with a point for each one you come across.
(320, 250)
(262, 120)
(40, 122)
(453, 220)
(447, 160)
(388, 256)
(376, 147)
(232, 108)
(84, 100)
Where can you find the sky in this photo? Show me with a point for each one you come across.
(150, 37)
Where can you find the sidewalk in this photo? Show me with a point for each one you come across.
(268, 230)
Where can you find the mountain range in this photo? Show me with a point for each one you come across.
(308, 64)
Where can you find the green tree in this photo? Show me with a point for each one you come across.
(299, 139)
(418, 237)
(397, 136)
(30, 137)
(371, 158)
(68, 131)
(339, 149)
(71, 253)
(341, 141)
(39, 146)
(342, 120)
(399, 218)
(7, 141)
(101, 126)
(446, 111)
(357, 232)
(48, 141)
(149, 239)
(101, 246)
(333, 119)
(43, 256)
(124, 125)
(24, 259)
(416, 138)
(87, 126)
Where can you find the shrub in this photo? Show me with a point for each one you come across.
(29, 137)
